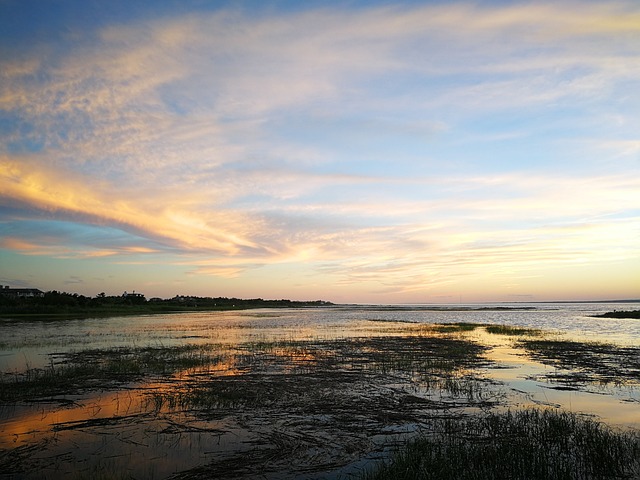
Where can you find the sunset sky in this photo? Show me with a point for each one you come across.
(383, 152)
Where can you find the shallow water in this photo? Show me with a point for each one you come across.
(116, 428)
(28, 344)
(107, 432)
(573, 319)
(527, 383)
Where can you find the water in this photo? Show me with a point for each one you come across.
(154, 444)
(576, 320)
(28, 343)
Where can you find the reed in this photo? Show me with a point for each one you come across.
(455, 327)
(77, 372)
(512, 331)
(522, 445)
(592, 362)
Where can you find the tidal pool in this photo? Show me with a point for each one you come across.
(313, 393)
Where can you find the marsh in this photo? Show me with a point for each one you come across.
(314, 393)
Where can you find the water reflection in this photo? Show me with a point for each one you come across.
(324, 387)
(121, 431)
(531, 383)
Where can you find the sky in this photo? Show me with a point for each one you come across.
(365, 152)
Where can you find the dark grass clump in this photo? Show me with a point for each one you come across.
(314, 375)
(77, 372)
(512, 331)
(455, 327)
(587, 361)
(620, 314)
(525, 445)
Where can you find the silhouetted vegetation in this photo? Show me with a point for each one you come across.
(512, 331)
(620, 314)
(527, 444)
(62, 303)
(577, 363)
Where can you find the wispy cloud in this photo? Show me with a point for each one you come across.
(353, 142)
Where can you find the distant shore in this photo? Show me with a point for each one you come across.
(53, 304)
(65, 305)
(37, 310)
(620, 314)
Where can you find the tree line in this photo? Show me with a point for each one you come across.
(63, 302)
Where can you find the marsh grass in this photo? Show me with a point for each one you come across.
(586, 362)
(523, 445)
(293, 375)
(512, 331)
(620, 314)
(314, 405)
(76, 372)
(148, 360)
(455, 327)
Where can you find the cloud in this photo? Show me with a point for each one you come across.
(229, 141)
(73, 280)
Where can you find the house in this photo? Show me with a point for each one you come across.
(132, 295)
(20, 292)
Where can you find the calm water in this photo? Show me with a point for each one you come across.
(28, 344)
(149, 442)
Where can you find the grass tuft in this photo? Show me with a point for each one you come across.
(76, 372)
(586, 361)
(524, 445)
(512, 331)
(455, 327)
